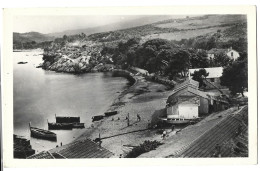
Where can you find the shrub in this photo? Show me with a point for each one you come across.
(143, 148)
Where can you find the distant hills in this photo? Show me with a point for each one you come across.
(31, 36)
(116, 26)
(173, 28)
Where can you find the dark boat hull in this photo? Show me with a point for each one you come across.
(78, 125)
(43, 134)
(58, 126)
(111, 113)
(61, 119)
(97, 118)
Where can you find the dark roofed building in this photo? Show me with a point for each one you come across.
(78, 149)
(213, 143)
(187, 102)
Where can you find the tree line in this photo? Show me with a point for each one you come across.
(168, 59)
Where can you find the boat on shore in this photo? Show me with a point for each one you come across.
(22, 62)
(97, 118)
(111, 113)
(42, 134)
(177, 121)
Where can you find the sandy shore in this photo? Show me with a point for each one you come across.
(143, 98)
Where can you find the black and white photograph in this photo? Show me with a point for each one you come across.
(130, 86)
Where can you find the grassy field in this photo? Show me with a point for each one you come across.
(186, 34)
(202, 22)
(177, 29)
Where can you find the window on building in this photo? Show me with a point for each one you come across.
(212, 80)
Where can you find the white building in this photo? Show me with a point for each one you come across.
(214, 76)
(231, 53)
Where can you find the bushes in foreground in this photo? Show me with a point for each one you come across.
(143, 148)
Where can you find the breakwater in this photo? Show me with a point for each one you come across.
(126, 74)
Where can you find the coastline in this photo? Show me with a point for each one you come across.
(142, 97)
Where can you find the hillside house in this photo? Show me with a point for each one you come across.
(212, 81)
(231, 53)
(188, 102)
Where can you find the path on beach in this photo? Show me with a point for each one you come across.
(143, 98)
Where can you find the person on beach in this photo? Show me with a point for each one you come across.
(164, 134)
(173, 126)
(138, 117)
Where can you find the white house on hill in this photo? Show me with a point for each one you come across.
(233, 54)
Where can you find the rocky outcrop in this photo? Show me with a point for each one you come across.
(81, 64)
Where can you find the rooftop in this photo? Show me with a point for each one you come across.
(200, 140)
(215, 72)
(78, 149)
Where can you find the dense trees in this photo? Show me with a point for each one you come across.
(199, 59)
(199, 76)
(162, 57)
(235, 76)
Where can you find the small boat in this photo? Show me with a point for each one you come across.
(178, 121)
(175, 121)
(78, 125)
(22, 62)
(56, 126)
(64, 119)
(97, 118)
(111, 113)
(42, 134)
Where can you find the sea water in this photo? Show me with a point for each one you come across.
(38, 95)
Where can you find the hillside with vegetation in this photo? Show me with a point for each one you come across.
(166, 48)
(30, 40)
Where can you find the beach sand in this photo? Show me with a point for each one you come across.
(143, 98)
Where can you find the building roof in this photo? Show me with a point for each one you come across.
(217, 51)
(200, 139)
(188, 82)
(215, 72)
(78, 149)
(205, 145)
(42, 155)
(220, 51)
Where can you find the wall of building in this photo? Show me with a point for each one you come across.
(204, 106)
(172, 112)
(235, 54)
(188, 111)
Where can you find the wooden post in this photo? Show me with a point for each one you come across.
(128, 120)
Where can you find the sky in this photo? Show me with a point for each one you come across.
(52, 24)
